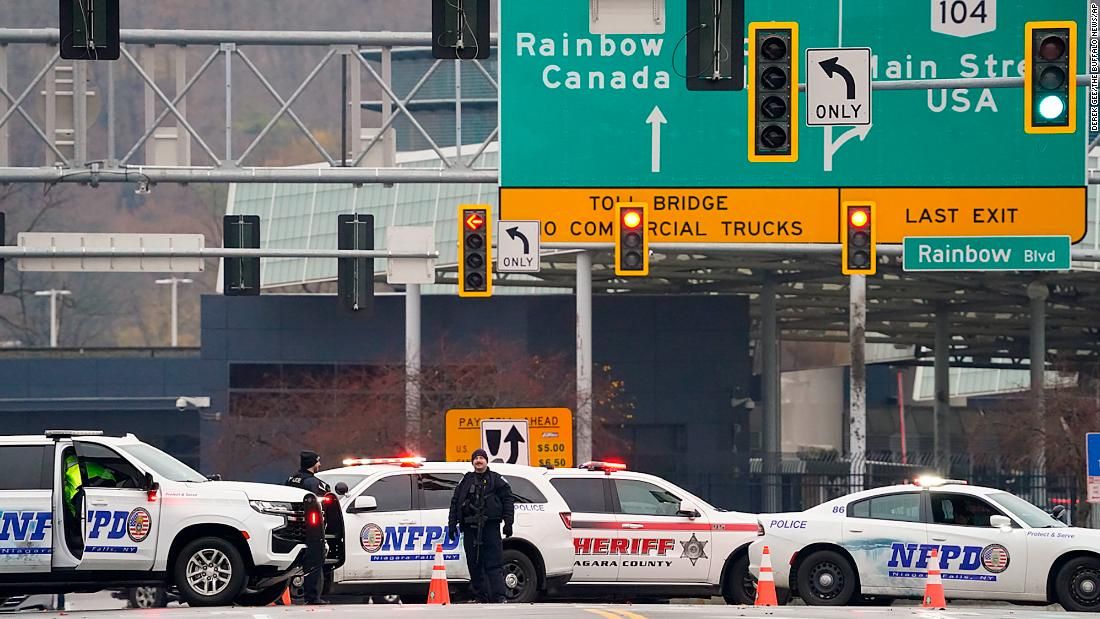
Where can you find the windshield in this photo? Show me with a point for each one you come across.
(1031, 515)
(162, 464)
(334, 478)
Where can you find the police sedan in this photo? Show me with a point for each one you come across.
(876, 546)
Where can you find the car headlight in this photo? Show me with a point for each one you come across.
(275, 508)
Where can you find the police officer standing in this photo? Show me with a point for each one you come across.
(306, 479)
(481, 502)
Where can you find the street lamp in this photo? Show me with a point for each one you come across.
(53, 294)
(175, 282)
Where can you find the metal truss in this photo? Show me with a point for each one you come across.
(75, 158)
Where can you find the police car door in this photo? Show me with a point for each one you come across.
(976, 556)
(26, 495)
(121, 516)
(594, 525)
(388, 531)
(435, 492)
(656, 542)
(888, 538)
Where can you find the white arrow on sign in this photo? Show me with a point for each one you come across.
(655, 120)
(831, 147)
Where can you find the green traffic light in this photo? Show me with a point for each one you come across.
(1052, 107)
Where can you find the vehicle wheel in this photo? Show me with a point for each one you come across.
(1078, 585)
(147, 597)
(263, 597)
(521, 580)
(738, 583)
(209, 572)
(826, 578)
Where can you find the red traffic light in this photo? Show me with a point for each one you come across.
(859, 217)
(632, 219)
(474, 221)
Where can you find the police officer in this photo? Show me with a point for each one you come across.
(481, 502)
(306, 479)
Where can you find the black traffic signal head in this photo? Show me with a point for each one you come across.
(631, 239)
(241, 276)
(1050, 93)
(89, 29)
(475, 267)
(460, 29)
(773, 91)
(858, 254)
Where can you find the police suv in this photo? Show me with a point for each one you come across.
(83, 512)
(877, 545)
(396, 513)
(640, 537)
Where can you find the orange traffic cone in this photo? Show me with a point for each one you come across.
(765, 585)
(438, 593)
(933, 587)
(284, 599)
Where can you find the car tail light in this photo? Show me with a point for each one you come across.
(567, 519)
(314, 518)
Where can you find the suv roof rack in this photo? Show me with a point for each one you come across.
(59, 434)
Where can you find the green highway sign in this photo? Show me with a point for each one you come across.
(987, 253)
(584, 109)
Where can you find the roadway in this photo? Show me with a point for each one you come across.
(572, 611)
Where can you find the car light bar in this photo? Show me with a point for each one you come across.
(931, 481)
(606, 467)
(71, 433)
(410, 461)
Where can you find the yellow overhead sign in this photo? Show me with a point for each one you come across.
(799, 215)
(536, 436)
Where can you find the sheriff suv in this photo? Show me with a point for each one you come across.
(83, 512)
(640, 537)
(395, 514)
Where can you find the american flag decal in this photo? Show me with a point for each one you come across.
(139, 524)
(995, 558)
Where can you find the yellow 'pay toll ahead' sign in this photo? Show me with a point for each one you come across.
(535, 436)
(800, 215)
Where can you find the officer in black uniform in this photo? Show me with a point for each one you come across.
(306, 479)
(481, 502)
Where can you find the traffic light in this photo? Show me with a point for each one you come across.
(475, 262)
(89, 29)
(460, 29)
(631, 239)
(1050, 76)
(773, 91)
(858, 255)
(355, 276)
(241, 276)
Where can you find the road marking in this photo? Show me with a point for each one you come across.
(606, 614)
(630, 615)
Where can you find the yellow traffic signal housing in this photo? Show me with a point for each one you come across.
(631, 239)
(475, 256)
(857, 256)
(773, 91)
(1050, 77)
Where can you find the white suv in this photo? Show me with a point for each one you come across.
(640, 537)
(396, 513)
(141, 517)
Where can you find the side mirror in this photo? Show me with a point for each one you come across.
(341, 488)
(214, 477)
(688, 510)
(149, 482)
(364, 504)
(1000, 522)
(1058, 512)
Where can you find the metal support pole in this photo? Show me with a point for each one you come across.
(584, 358)
(175, 282)
(1038, 293)
(458, 114)
(412, 366)
(344, 110)
(183, 138)
(355, 98)
(54, 326)
(4, 152)
(857, 411)
(149, 65)
(112, 159)
(941, 412)
(228, 49)
(772, 430)
(389, 152)
(80, 113)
